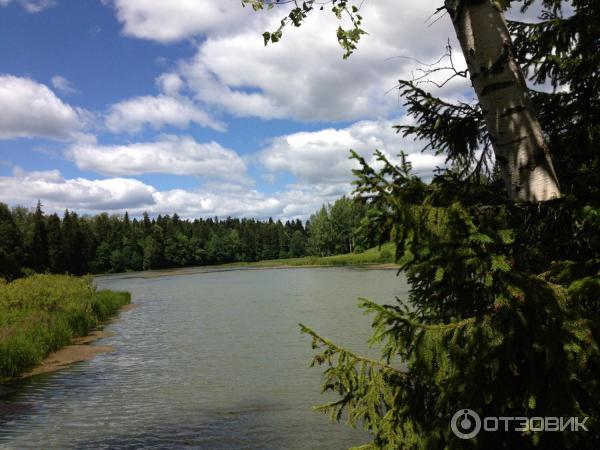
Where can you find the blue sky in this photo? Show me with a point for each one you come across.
(139, 105)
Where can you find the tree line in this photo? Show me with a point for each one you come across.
(34, 242)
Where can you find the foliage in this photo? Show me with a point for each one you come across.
(383, 254)
(335, 228)
(32, 242)
(502, 315)
(348, 38)
(41, 314)
(494, 322)
(11, 246)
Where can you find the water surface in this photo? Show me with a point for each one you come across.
(210, 360)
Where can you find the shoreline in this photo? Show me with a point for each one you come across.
(79, 350)
(372, 266)
(194, 270)
(376, 258)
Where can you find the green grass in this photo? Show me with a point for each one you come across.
(42, 313)
(376, 255)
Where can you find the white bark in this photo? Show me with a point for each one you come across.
(519, 145)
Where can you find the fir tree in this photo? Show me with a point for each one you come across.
(11, 245)
(38, 249)
(55, 246)
(502, 315)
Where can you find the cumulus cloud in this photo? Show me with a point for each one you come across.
(31, 109)
(298, 202)
(117, 195)
(304, 77)
(133, 114)
(80, 194)
(170, 155)
(174, 20)
(63, 85)
(322, 156)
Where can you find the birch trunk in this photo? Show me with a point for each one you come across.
(516, 135)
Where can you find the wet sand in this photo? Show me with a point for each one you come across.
(79, 350)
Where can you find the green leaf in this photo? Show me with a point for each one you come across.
(267, 37)
(499, 263)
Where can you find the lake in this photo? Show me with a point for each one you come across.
(209, 359)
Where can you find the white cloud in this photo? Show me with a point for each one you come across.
(32, 6)
(117, 195)
(31, 109)
(81, 194)
(304, 77)
(174, 20)
(63, 85)
(170, 83)
(322, 156)
(233, 200)
(170, 154)
(133, 114)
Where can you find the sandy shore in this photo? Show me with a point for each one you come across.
(79, 350)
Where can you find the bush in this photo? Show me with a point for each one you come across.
(386, 255)
(42, 313)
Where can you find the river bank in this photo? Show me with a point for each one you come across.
(79, 350)
(42, 314)
(374, 258)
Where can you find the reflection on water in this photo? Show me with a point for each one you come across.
(208, 360)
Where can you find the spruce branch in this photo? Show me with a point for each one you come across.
(321, 341)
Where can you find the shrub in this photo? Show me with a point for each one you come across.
(42, 313)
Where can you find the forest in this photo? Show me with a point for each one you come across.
(34, 242)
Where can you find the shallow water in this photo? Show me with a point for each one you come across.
(209, 360)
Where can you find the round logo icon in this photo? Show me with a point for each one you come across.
(466, 424)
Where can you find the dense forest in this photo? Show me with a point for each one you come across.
(31, 241)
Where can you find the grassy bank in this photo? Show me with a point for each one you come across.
(42, 313)
(376, 255)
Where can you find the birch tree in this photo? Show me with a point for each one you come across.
(515, 134)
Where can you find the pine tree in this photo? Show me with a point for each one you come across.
(56, 263)
(11, 245)
(75, 244)
(297, 244)
(38, 249)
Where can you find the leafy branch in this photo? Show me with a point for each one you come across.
(348, 38)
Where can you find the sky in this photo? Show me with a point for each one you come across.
(178, 107)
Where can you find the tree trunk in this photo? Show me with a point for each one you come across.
(516, 135)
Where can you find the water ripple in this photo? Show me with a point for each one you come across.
(209, 361)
